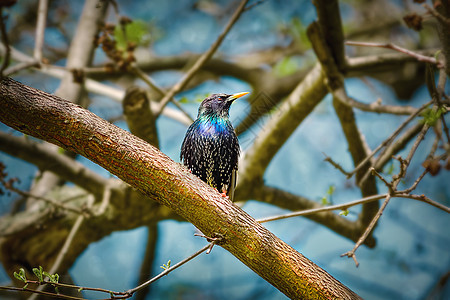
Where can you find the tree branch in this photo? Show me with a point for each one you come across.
(277, 130)
(48, 159)
(334, 222)
(204, 58)
(141, 165)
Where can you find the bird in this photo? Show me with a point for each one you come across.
(210, 148)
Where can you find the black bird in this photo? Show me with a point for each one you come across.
(211, 148)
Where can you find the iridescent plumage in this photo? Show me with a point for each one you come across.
(210, 148)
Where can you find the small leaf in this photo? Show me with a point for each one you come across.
(183, 100)
(331, 190)
(136, 32)
(166, 266)
(21, 275)
(324, 201)
(38, 273)
(431, 116)
(344, 212)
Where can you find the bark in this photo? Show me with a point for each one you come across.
(155, 175)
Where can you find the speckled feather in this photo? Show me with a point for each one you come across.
(211, 148)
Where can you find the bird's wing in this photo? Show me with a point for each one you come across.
(232, 185)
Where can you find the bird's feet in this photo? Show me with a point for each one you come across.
(224, 193)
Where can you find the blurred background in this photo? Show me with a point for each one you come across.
(411, 259)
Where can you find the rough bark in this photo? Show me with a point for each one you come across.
(154, 174)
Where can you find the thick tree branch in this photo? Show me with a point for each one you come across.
(329, 16)
(49, 159)
(140, 118)
(157, 176)
(277, 130)
(356, 144)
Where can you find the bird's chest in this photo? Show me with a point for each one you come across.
(215, 136)
(212, 130)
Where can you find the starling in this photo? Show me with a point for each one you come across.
(211, 148)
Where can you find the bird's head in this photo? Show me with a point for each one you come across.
(218, 104)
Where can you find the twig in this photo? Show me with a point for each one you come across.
(389, 151)
(400, 194)
(436, 14)
(5, 42)
(254, 4)
(336, 165)
(417, 56)
(414, 185)
(386, 142)
(61, 296)
(366, 233)
(139, 73)
(392, 136)
(19, 67)
(48, 200)
(377, 107)
(422, 198)
(322, 209)
(105, 199)
(202, 59)
(62, 253)
(114, 295)
(374, 172)
(392, 190)
(40, 29)
(168, 270)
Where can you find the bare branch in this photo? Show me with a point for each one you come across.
(47, 158)
(5, 42)
(416, 55)
(205, 57)
(389, 140)
(40, 30)
(283, 199)
(369, 229)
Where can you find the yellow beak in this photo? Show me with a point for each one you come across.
(237, 95)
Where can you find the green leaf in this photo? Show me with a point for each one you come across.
(285, 67)
(166, 266)
(53, 278)
(184, 100)
(331, 190)
(431, 116)
(324, 201)
(38, 273)
(21, 275)
(136, 32)
(343, 212)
